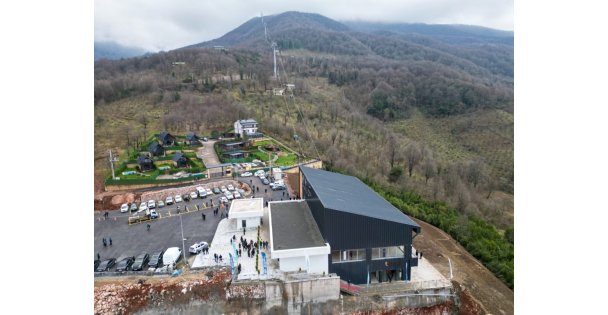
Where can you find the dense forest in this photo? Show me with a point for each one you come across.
(428, 117)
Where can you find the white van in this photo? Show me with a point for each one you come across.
(197, 247)
(171, 255)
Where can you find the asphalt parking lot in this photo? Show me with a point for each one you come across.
(165, 232)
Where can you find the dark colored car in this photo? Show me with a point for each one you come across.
(125, 264)
(156, 259)
(134, 207)
(186, 197)
(216, 190)
(141, 262)
(106, 265)
(97, 262)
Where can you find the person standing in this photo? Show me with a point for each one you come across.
(104, 242)
(98, 257)
(111, 242)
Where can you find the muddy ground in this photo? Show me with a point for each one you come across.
(476, 282)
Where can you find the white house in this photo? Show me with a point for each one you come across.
(295, 239)
(247, 212)
(246, 126)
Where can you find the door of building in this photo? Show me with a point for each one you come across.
(244, 222)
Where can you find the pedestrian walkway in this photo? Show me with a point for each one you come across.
(221, 245)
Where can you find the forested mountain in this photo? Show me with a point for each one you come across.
(112, 51)
(423, 111)
(427, 109)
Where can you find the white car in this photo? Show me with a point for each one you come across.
(178, 198)
(246, 174)
(124, 208)
(193, 195)
(237, 195)
(228, 195)
(230, 187)
(171, 255)
(198, 247)
(151, 204)
(223, 199)
(223, 189)
(259, 173)
(208, 191)
(161, 204)
(153, 214)
(143, 206)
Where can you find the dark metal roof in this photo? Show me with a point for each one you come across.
(293, 226)
(178, 156)
(154, 146)
(164, 136)
(144, 159)
(349, 194)
(191, 136)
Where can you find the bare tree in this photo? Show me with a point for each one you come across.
(476, 171)
(413, 155)
(393, 149)
(143, 119)
(430, 168)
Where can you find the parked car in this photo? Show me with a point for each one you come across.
(169, 200)
(178, 198)
(246, 174)
(141, 261)
(205, 139)
(223, 199)
(151, 204)
(143, 206)
(208, 192)
(161, 204)
(133, 207)
(156, 259)
(216, 190)
(106, 265)
(186, 197)
(124, 208)
(230, 187)
(153, 214)
(97, 262)
(277, 186)
(125, 264)
(198, 247)
(228, 195)
(171, 255)
(223, 189)
(265, 181)
(259, 173)
(237, 195)
(194, 195)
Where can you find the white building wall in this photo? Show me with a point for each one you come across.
(237, 128)
(318, 264)
(251, 223)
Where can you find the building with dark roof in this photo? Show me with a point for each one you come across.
(370, 239)
(166, 138)
(235, 154)
(180, 160)
(192, 139)
(145, 163)
(295, 239)
(156, 149)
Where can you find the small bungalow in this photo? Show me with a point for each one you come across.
(235, 155)
(156, 149)
(192, 139)
(234, 145)
(166, 138)
(145, 163)
(180, 160)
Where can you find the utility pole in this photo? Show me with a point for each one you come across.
(112, 160)
(183, 239)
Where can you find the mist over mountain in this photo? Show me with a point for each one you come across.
(113, 51)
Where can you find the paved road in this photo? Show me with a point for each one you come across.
(131, 240)
(208, 153)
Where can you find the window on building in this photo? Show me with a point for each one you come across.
(347, 255)
(387, 252)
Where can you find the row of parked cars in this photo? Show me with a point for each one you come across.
(143, 261)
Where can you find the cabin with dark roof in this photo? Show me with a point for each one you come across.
(166, 139)
(192, 139)
(156, 149)
(145, 163)
(180, 160)
(370, 239)
(234, 145)
(235, 154)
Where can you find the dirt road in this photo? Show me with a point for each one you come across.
(473, 277)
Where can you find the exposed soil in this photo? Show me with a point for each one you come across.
(477, 285)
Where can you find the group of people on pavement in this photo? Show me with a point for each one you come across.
(105, 242)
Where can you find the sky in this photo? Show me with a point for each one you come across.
(156, 25)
